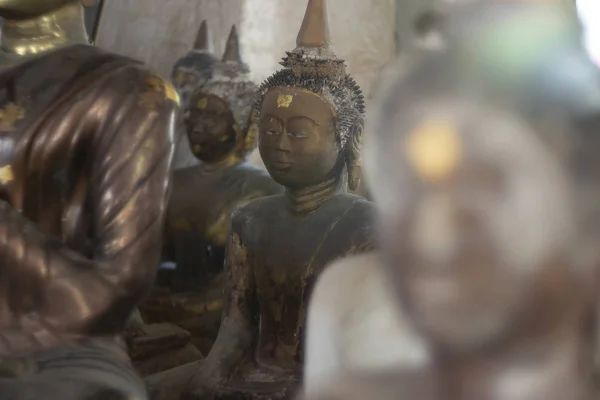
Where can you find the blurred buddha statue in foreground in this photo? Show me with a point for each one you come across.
(310, 128)
(87, 143)
(222, 132)
(483, 278)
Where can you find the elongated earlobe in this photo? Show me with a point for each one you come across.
(353, 157)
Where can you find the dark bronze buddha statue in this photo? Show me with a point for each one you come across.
(187, 73)
(485, 265)
(310, 130)
(87, 142)
(222, 131)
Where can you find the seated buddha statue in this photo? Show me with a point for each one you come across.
(483, 287)
(87, 142)
(187, 73)
(310, 127)
(221, 129)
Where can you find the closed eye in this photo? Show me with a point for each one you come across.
(297, 135)
(271, 132)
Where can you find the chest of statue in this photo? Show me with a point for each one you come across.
(293, 249)
(287, 253)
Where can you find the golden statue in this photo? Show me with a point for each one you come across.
(310, 130)
(87, 139)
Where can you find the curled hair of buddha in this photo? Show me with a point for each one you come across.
(314, 66)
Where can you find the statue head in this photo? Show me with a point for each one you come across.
(195, 66)
(311, 113)
(22, 9)
(219, 117)
(478, 219)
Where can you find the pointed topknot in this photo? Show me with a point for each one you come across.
(315, 28)
(232, 49)
(203, 41)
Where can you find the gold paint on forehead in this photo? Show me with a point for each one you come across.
(6, 174)
(301, 90)
(434, 150)
(202, 103)
(284, 100)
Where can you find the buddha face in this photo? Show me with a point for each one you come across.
(297, 140)
(18, 9)
(462, 230)
(185, 78)
(211, 127)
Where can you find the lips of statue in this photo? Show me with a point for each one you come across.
(297, 139)
(22, 9)
(211, 127)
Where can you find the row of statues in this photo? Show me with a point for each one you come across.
(309, 122)
(472, 276)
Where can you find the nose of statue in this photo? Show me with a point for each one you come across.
(434, 233)
(283, 143)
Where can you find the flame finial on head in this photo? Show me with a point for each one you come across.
(203, 40)
(315, 27)
(232, 48)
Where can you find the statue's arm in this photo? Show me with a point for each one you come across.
(52, 291)
(239, 323)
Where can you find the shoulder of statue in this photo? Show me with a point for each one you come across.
(250, 213)
(358, 210)
(154, 86)
(258, 180)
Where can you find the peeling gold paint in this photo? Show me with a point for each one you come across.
(284, 100)
(181, 223)
(9, 115)
(202, 103)
(159, 85)
(217, 231)
(199, 309)
(6, 174)
(434, 150)
(171, 93)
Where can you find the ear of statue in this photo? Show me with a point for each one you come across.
(353, 158)
(251, 138)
